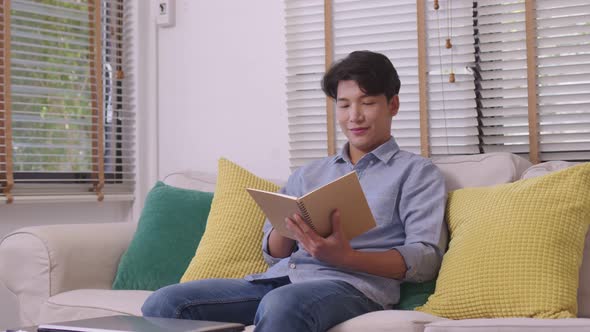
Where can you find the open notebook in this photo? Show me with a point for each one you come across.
(139, 324)
(344, 194)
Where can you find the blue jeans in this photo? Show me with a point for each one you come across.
(271, 304)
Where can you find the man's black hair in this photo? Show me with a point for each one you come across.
(373, 72)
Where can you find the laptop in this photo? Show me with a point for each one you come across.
(123, 323)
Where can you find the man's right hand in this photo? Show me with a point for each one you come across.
(333, 249)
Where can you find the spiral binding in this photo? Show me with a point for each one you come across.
(305, 215)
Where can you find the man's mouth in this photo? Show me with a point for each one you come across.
(358, 130)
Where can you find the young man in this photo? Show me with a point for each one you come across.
(315, 283)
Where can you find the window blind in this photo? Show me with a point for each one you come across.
(306, 103)
(72, 127)
(563, 86)
(452, 108)
(501, 47)
(389, 28)
(487, 108)
(563, 77)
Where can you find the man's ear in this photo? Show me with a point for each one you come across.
(394, 105)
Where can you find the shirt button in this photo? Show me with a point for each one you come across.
(292, 265)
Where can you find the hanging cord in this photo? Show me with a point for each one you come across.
(442, 82)
(7, 118)
(449, 45)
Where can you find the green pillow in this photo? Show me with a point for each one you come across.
(413, 295)
(168, 233)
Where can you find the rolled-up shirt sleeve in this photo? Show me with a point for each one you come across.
(291, 188)
(422, 208)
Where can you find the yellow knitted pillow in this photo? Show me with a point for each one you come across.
(515, 249)
(231, 246)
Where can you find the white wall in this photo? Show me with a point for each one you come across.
(221, 89)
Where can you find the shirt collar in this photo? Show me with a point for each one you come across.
(383, 152)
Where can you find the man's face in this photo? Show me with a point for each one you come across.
(365, 120)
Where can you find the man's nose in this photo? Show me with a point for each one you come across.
(355, 114)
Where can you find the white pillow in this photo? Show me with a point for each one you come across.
(545, 168)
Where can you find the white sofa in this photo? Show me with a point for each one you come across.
(65, 272)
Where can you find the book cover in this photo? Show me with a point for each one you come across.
(344, 194)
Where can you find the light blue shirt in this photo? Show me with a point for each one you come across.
(407, 196)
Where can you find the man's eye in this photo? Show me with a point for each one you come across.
(343, 106)
(369, 103)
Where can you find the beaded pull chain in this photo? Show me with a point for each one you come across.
(448, 43)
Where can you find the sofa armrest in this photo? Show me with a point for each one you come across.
(39, 262)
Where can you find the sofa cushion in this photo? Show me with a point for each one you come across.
(232, 244)
(387, 320)
(90, 303)
(515, 249)
(171, 226)
(412, 295)
(510, 325)
(466, 171)
(584, 287)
